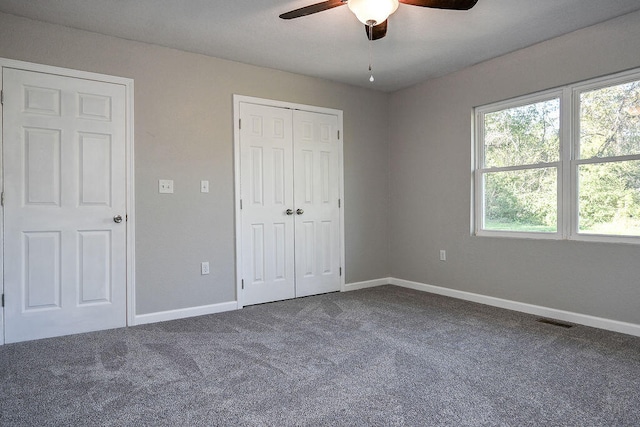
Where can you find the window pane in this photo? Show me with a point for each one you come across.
(524, 200)
(610, 121)
(610, 198)
(523, 135)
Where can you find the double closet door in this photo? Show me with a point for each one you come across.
(290, 203)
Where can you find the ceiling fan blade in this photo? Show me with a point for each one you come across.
(379, 31)
(443, 4)
(314, 8)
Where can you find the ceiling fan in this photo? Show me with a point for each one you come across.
(374, 13)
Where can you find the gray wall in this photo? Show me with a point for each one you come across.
(184, 132)
(430, 184)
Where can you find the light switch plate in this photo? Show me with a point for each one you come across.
(165, 185)
(204, 186)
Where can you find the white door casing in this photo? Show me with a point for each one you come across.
(288, 158)
(65, 180)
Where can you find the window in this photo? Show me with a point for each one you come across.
(608, 159)
(562, 163)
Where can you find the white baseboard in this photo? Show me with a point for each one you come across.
(163, 316)
(366, 284)
(567, 316)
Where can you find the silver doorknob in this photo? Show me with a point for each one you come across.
(299, 211)
(289, 212)
(117, 219)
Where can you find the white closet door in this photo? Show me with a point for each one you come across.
(316, 201)
(64, 175)
(266, 163)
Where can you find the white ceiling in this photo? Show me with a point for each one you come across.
(421, 43)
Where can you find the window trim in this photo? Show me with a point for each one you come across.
(567, 165)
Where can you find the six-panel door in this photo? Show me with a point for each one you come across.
(316, 180)
(64, 175)
(266, 158)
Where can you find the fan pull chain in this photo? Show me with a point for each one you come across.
(371, 79)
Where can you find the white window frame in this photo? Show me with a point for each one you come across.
(568, 164)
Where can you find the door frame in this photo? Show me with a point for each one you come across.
(129, 171)
(237, 99)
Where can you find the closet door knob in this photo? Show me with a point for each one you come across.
(289, 211)
(299, 211)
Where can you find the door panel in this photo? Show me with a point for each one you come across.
(42, 268)
(317, 193)
(42, 164)
(95, 267)
(64, 175)
(266, 162)
(95, 169)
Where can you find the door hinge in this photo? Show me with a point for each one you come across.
(2, 199)
(2, 97)
(340, 271)
(338, 134)
(240, 203)
(126, 218)
(242, 283)
(339, 203)
(3, 300)
(239, 123)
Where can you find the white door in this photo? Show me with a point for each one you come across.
(289, 188)
(316, 201)
(64, 178)
(266, 158)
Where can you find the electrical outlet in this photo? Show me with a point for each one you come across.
(443, 255)
(165, 186)
(204, 268)
(204, 186)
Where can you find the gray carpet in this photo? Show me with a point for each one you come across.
(384, 356)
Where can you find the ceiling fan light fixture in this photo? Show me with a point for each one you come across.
(372, 10)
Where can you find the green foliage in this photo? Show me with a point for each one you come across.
(610, 121)
(512, 226)
(527, 197)
(610, 194)
(523, 135)
(529, 135)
